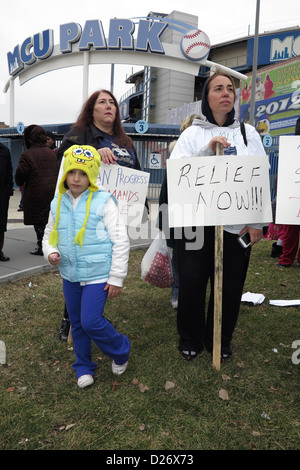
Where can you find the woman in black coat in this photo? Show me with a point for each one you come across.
(37, 170)
(99, 125)
(6, 190)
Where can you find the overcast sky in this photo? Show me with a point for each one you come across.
(56, 97)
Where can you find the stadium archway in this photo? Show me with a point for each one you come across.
(136, 41)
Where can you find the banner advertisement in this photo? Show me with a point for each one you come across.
(277, 105)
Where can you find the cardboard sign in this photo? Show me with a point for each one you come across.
(129, 187)
(218, 190)
(288, 182)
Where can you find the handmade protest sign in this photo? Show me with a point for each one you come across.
(129, 187)
(221, 190)
(288, 181)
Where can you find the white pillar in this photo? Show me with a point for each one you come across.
(85, 91)
(11, 102)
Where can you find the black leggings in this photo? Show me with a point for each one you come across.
(196, 268)
(1, 241)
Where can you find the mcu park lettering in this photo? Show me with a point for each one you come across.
(87, 46)
(136, 41)
(40, 46)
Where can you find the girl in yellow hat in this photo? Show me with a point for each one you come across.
(87, 240)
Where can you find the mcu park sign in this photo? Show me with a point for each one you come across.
(39, 49)
(41, 45)
(137, 41)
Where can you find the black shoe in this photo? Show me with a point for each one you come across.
(38, 251)
(188, 355)
(276, 251)
(64, 329)
(3, 257)
(225, 357)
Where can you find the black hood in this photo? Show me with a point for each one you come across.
(35, 136)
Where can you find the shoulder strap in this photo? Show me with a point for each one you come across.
(243, 131)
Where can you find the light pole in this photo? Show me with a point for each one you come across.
(254, 66)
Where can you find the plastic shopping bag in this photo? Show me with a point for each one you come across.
(156, 267)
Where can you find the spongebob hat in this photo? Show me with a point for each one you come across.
(84, 158)
(81, 157)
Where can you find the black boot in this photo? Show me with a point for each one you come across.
(39, 230)
(37, 251)
(276, 251)
(64, 329)
(3, 257)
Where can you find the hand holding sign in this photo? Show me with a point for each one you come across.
(223, 190)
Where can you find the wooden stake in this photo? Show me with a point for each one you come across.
(70, 339)
(2, 352)
(218, 287)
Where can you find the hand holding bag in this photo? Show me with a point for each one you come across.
(156, 266)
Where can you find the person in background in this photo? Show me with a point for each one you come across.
(20, 208)
(275, 231)
(291, 235)
(163, 217)
(268, 84)
(246, 93)
(37, 170)
(99, 125)
(51, 141)
(196, 266)
(6, 190)
(259, 89)
(87, 239)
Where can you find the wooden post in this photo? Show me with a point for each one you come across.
(218, 287)
(70, 340)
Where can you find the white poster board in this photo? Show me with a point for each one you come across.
(218, 190)
(129, 187)
(288, 181)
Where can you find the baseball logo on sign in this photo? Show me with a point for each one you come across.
(195, 45)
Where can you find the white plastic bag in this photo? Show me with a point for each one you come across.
(156, 267)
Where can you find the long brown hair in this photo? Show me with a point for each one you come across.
(85, 118)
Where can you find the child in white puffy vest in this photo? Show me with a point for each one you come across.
(87, 240)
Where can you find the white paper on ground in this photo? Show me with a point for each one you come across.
(255, 299)
(284, 303)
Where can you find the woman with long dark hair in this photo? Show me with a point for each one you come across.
(99, 125)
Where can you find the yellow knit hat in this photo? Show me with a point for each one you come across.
(84, 158)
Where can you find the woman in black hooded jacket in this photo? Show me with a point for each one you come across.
(196, 266)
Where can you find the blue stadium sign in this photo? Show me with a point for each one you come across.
(74, 38)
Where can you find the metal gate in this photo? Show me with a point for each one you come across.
(154, 143)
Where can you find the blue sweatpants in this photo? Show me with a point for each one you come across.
(85, 305)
